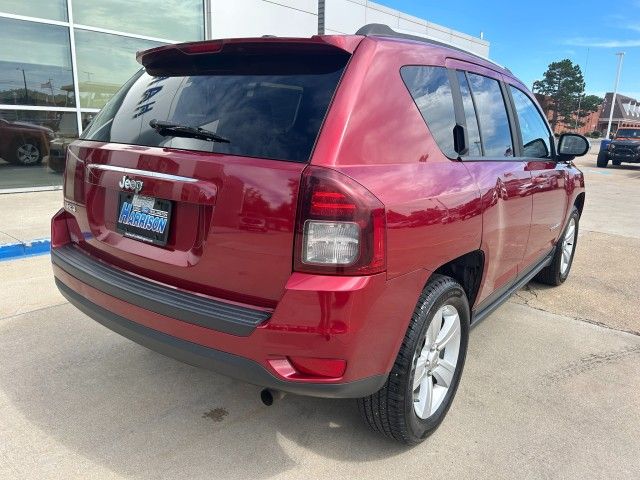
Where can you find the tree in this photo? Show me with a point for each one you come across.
(590, 103)
(564, 84)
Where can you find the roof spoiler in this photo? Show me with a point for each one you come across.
(176, 58)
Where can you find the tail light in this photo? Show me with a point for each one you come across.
(73, 178)
(340, 227)
(59, 229)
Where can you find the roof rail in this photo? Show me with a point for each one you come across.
(382, 30)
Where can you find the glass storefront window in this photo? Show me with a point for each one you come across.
(35, 62)
(105, 63)
(33, 147)
(49, 9)
(87, 118)
(37, 73)
(170, 19)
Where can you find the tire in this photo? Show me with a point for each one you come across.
(26, 152)
(602, 160)
(557, 271)
(393, 410)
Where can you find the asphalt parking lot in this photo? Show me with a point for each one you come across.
(551, 388)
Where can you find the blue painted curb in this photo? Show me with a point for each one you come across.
(12, 251)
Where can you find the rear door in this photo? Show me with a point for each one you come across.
(210, 217)
(548, 177)
(504, 181)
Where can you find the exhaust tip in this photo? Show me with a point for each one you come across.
(267, 397)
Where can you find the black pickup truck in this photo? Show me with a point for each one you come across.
(625, 147)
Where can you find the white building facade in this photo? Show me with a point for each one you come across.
(309, 17)
(61, 60)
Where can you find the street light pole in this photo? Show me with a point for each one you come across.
(586, 64)
(615, 92)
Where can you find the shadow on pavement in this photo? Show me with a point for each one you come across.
(146, 416)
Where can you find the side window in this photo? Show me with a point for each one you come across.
(473, 132)
(492, 113)
(431, 90)
(535, 134)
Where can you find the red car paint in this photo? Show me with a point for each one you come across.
(435, 210)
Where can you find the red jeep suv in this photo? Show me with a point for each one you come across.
(325, 216)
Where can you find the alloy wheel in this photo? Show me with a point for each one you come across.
(434, 364)
(28, 154)
(568, 243)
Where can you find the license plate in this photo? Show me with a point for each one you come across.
(143, 218)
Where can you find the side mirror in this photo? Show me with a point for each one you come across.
(571, 145)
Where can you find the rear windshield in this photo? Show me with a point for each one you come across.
(628, 133)
(274, 114)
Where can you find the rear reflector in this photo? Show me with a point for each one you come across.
(319, 367)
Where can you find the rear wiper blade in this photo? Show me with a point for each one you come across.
(168, 129)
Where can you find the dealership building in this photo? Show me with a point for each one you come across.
(61, 60)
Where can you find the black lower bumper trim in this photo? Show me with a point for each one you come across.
(224, 363)
(184, 306)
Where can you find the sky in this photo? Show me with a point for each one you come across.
(527, 38)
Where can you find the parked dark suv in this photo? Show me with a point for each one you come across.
(624, 147)
(325, 216)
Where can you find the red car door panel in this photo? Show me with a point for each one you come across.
(548, 177)
(549, 207)
(505, 187)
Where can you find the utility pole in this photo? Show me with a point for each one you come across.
(26, 91)
(615, 92)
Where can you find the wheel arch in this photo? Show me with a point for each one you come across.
(24, 138)
(467, 270)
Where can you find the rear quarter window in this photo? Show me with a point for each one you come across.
(431, 91)
(275, 116)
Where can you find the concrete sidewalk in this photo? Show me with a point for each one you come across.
(24, 223)
(542, 396)
(26, 216)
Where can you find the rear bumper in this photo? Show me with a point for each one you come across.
(222, 362)
(358, 322)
